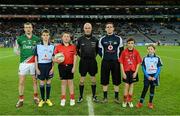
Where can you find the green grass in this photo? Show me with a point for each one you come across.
(166, 100)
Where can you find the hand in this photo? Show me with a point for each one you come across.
(153, 78)
(57, 61)
(51, 71)
(134, 75)
(150, 78)
(124, 76)
(38, 72)
(73, 69)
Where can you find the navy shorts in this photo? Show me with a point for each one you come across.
(65, 71)
(112, 67)
(88, 66)
(45, 71)
(129, 77)
(152, 83)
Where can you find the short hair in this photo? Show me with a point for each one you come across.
(66, 32)
(45, 31)
(151, 45)
(131, 39)
(110, 23)
(27, 23)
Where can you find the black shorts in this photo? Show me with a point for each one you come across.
(88, 66)
(151, 83)
(129, 77)
(45, 71)
(114, 68)
(65, 71)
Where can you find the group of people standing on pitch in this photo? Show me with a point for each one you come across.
(37, 59)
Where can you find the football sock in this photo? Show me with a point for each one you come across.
(21, 97)
(152, 88)
(81, 89)
(72, 96)
(116, 95)
(42, 90)
(105, 94)
(48, 89)
(93, 87)
(145, 89)
(125, 98)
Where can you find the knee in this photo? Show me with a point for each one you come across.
(81, 83)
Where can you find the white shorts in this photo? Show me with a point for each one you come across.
(27, 68)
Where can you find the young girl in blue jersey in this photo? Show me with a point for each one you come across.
(44, 53)
(151, 67)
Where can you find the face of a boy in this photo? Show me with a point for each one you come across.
(130, 45)
(45, 36)
(66, 38)
(151, 50)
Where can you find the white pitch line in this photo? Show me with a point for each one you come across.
(6, 56)
(90, 106)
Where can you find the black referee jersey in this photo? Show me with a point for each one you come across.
(87, 47)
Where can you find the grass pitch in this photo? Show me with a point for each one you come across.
(166, 100)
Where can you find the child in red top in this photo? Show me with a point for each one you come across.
(130, 60)
(67, 67)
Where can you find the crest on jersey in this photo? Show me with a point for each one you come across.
(110, 47)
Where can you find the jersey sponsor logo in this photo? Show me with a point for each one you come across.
(110, 47)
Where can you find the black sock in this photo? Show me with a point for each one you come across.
(116, 95)
(105, 94)
(48, 89)
(151, 94)
(93, 87)
(42, 90)
(145, 89)
(81, 89)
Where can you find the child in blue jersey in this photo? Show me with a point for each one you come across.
(44, 54)
(151, 67)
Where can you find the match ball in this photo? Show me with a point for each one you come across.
(60, 57)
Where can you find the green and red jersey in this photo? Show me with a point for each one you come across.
(27, 46)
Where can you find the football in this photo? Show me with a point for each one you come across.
(60, 57)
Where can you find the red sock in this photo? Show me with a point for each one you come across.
(129, 98)
(125, 98)
(35, 94)
(63, 96)
(21, 97)
(72, 96)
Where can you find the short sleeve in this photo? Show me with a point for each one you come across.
(139, 59)
(56, 49)
(159, 62)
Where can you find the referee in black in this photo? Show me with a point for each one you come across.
(110, 48)
(87, 47)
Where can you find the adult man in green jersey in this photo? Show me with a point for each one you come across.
(26, 43)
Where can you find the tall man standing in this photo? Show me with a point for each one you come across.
(26, 43)
(87, 47)
(111, 47)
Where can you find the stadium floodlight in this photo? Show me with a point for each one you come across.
(176, 8)
(14, 7)
(56, 8)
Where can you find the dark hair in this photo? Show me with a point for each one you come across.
(131, 39)
(110, 23)
(45, 31)
(151, 45)
(27, 23)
